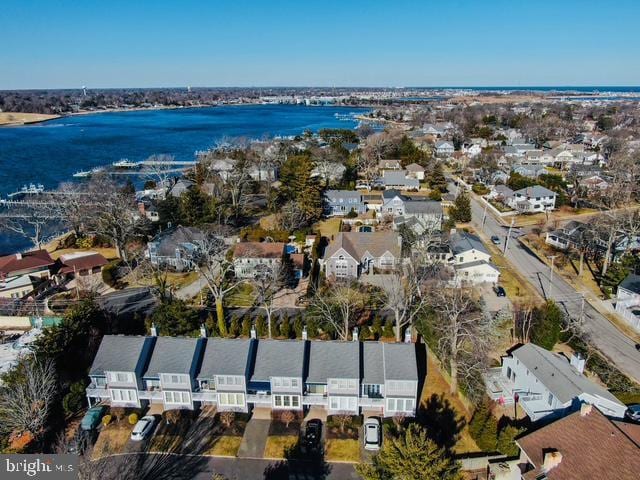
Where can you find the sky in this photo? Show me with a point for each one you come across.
(394, 43)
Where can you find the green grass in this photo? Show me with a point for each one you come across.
(241, 296)
(340, 450)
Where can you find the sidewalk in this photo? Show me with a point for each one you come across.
(193, 289)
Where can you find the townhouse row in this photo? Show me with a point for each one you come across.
(241, 374)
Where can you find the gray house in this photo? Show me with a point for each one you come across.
(533, 199)
(341, 202)
(224, 373)
(170, 376)
(354, 253)
(399, 179)
(547, 385)
(175, 247)
(239, 374)
(444, 148)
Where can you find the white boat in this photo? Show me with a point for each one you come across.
(82, 174)
(31, 189)
(97, 170)
(125, 163)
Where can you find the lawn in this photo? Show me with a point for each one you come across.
(108, 253)
(241, 296)
(278, 446)
(342, 450)
(112, 439)
(176, 280)
(225, 446)
(328, 227)
(437, 384)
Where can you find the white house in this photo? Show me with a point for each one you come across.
(444, 148)
(471, 260)
(628, 300)
(547, 385)
(533, 199)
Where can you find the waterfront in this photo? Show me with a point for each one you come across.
(50, 152)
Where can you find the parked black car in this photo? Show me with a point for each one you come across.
(499, 291)
(312, 441)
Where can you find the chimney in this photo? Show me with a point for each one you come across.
(355, 334)
(203, 331)
(452, 232)
(400, 240)
(551, 460)
(407, 335)
(253, 332)
(585, 409)
(577, 361)
(305, 335)
(154, 330)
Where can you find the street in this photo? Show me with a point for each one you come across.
(605, 336)
(240, 469)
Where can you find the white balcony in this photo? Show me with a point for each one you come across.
(205, 396)
(314, 400)
(259, 399)
(150, 395)
(97, 392)
(368, 402)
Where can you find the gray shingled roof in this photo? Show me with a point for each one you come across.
(224, 356)
(278, 358)
(358, 243)
(463, 242)
(399, 177)
(118, 354)
(423, 206)
(172, 355)
(400, 361)
(535, 191)
(557, 374)
(333, 360)
(631, 283)
(372, 363)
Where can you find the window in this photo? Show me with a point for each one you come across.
(229, 380)
(120, 377)
(178, 398)
(343, 403)
(400, 386)
(371, 391)
(231, 399)
(400, 404)
(550, 399)
(286, 401)
(123, 395)
(174, 379)
(316, 389)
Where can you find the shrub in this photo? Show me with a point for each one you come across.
(387, 332)
(74, 400)
(298, 326)
(506, 441)
(344, 420)
(352, 214)
(261, 326)
(133, 419)
(118, 413)
(246, 326)
(227, 418)
(109, 274)
(287, 417)
(234, 329)
(376, 329)
(106, 420)
(483, 428)
(285, 326)
(172, 416)
(84, 242)
(312, 328)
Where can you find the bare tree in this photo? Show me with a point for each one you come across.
(464, 333)
(25, 403)
(31, 218)
(268, 282)
(216, 269)
(291, 216)
(287, 417)
(338, 307)
(158, 170)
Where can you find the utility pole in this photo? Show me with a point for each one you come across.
(506, 242)
(552, 258)
(582, 310)
(484, 214)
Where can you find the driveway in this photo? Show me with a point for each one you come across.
(250, 469)
(254, 439)
(493, 302)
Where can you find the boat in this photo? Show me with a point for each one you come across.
(32, 189)
(82, 174)
(125, 163)
(96, 170)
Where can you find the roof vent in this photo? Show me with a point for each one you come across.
(203, 331)
(154, 330)
(253, 332)
(355, 334)
(551, 460)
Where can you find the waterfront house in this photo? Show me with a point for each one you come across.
(547, 385)
(352, 254)
(389, 164)
(176, 247)
(241, 374)
(20, 273)
(247, 256)
(533, 199)
(181, 186)
(585, 444)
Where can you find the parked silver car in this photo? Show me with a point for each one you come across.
(633, 412)
(143, 428)
(372, 433)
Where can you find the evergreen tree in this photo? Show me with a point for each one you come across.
(506, 441)
(175, 318)
(365, 332)
(193, 207)
(212, 326)
(276, 329)
(234, 329)
(261, 326)
(387, 332)
(376, 329)
(246, 326)
(222, 327)
(483, 428)
(285, 326)
(547, 325)
(312, 328)
(461, 210)
(411, 456)
(298, 326)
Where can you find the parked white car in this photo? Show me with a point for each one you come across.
(143, 428)
(372, 433)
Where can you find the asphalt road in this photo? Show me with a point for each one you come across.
(240, 469)
(605, 336)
